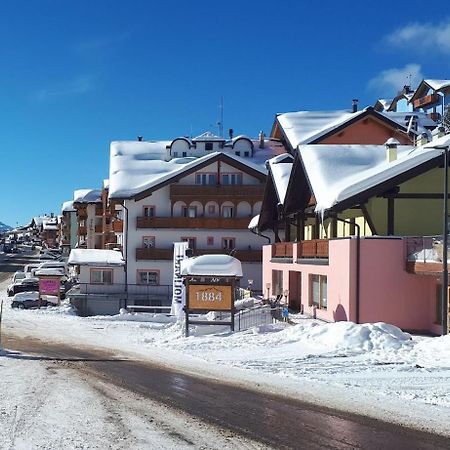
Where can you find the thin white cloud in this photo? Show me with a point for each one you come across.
(390, 81)
(77, 86)
(422, 36)
(100, 44)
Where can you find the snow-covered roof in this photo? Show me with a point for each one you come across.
(437, 85)
(212, 265)
(87, 196)
(50, 223)
(339, 172)
(132, 172)
(302, 127)
(281, 167)
(403, 118)
(385, 103)
(207, 136)
(97, 258)
(254, 222)
(50, 271)
(68, 206)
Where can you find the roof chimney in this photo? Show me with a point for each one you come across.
(140, 138)
(261, 138)
(355, 105)
(230, 133)
(423, 139)
(391, 149)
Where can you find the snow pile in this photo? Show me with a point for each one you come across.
(433, 352)
(347, 337)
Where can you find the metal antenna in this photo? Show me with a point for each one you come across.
(220, 123)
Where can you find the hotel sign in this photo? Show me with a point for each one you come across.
(210, 297)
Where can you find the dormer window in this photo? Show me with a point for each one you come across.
(208, 146)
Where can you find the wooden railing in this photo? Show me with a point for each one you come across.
(315, 248)
(216, 192)
(118, 226)
(167, 254)
(98, 228)
(282, 250)
(426, 100)
(193, 222)
(82, 231)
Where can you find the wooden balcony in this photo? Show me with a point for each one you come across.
(82, 231)
(98, 228)
(283, 250)
(239, 223)
(167, 254)
(204, 193)
(315, 248)
(99, 212)
(426, 101)
(154, 253)
(117, 226)
(82, 213)
(312, 249)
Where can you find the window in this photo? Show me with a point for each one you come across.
(189, 211)
(184, 154)
(208, 146)
(277, 282)
(228, 212)
(210, 240)
(205, 178)
(148, 277)
(246, 154)
(148, 241)
(192, 242)
(175, 154)
(149, 211)
(101, 276)
(231, 178)
(228, 243)
(237, 153)
(211, 209)
(318, 292)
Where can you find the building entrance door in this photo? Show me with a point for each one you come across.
(295, 291)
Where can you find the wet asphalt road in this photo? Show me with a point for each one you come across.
(275, 421)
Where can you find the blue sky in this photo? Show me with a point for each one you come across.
(76, 75)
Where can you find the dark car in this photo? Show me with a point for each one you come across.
(24, 285)
(27, 300)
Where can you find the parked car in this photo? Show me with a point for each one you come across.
(24, 285)
(29, 267)
(26, 300)
(19, 275)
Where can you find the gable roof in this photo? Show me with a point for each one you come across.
(132, 175)
(340, 176)
(308, 127)
(425, 85)
(87, 196)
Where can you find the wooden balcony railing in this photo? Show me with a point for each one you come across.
(315, 248)
(282, 250)
(154, 253)
(194, 222)
(118, 226)
(234, 193)
(82, 231)
(98, 228)
(99, 212)
(82, 213)
(167, 254)
(426, 100)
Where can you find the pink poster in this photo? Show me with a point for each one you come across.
(49, 286)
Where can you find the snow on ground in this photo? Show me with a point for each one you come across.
(373, 369)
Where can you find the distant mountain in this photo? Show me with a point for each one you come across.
(4, 227)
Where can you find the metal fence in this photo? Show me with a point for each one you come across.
(258, 315)
(424, 248)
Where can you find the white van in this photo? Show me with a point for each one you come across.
(50, 265)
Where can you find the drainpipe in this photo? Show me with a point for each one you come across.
(358, 264)
(126, 254)
(262, 235)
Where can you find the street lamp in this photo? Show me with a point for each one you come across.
(268, 290)
(444, 295)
